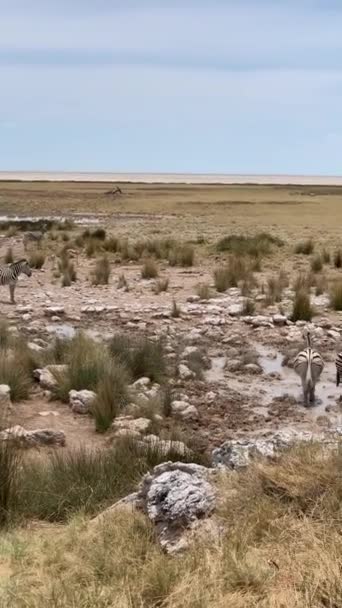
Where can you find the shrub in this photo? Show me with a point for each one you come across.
(101, 272)
(336, 296)
(203, 291)
(175, 310)
(86, 365)
(149, 269)
(111, 244)
(99, 233)
(5, 335)
(248, 307)
(161, 285)
(88, 480)
(11, 231)
(338, 259)
(185, 255)
(305, 247)
(66, 268)
(15, 375)
(9, 259)
(302, 310)
(37, 259)
(122, 282)
(112, 395)
(230, 274)
(10, 463)
(255, 246)
(304, 281)
(326, 256)
(316, 263)
(166, 401)
(141, 356)
(321, 285)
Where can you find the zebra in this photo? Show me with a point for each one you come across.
(9, 275)
(308, 364)
(338, 363)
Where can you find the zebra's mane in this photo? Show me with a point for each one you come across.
(308, 338)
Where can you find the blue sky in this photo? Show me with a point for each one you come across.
(234, 86)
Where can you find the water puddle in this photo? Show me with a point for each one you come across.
(32, 221)
(62, 331)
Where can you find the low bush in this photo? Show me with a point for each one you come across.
(149, 269)
(302, 310)
(338, 258)
(101, 272)
(231, 274)
(203, 291)
(254, 246)
(305, 247)
(112, 394)
(161, 285)
(316, 263)
(13, 373)
(175, 310)
(141, 356)
(37, 259)
(9, 259)
(336, 296)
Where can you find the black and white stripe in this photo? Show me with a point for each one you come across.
(308, 365)
(338, 363)
(9, 275)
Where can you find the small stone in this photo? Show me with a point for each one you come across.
(184, 410)
(131, 425)
(184, 372)
(252, 368)
(142, 383)
(81, 401)
(5, 396)
(279, 320)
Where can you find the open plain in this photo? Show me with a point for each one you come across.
(161, 323)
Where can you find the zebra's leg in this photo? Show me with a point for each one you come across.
(312, 394)
(12, 290)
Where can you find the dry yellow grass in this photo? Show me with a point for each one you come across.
(282, 548)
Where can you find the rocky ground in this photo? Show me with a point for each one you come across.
(244, 388)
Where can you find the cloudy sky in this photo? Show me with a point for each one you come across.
(235, 86)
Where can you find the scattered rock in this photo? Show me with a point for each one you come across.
(27, 439)
(175, 497)
(81, 401)
(184, 410)
(279, 320)
(184, 372)
(127, 425)
(237, 454)
(47, 375)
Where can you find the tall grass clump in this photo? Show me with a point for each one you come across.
(122, 282)
(203, 291)
(149, 269)
(5, 335)
(161, 285)
(231, 274)
(254, 246)
(86, 363)
(10, 463)
(248, 307)
(9, 258)
(101, 272)
(326, 257)
(141, 356)
(13, 373)
(37, 259)
(338, 258)
(66, 268)
(302, 310)
(316, 263)
(111, 244)
(305, 247)
(185, 256)
(275, 287)
(88, 480)
(336, 296)
(112, 394)
(175, 310)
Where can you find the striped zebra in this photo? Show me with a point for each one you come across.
(338, 363)
(308, 365)
(9, 275)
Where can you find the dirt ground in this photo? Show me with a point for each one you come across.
(230, 402)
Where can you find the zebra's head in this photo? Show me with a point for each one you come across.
(25, 267)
